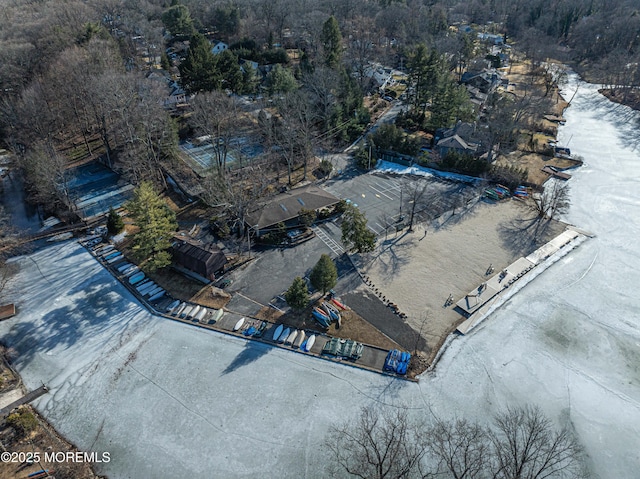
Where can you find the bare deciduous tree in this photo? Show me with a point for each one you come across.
(294, 134)
(380, 444)
(553, 201)
(521, 443)
(217, 116)
(525, 445)
(460, 448)
(417, 198)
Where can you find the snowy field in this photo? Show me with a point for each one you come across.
(168, 400)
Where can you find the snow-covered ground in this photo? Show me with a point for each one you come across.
(168, 400)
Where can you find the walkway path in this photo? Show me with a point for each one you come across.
(27, 398)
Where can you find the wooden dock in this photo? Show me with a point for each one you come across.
(556, 173)
(7, 311)
(477, 303)
(27, 398)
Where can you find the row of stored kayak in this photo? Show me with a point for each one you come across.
(144, 286)
(296, 338)
(194, 312)
(147, 288)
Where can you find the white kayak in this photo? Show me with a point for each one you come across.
(238, 324)
(310, 343)
(299, 340)
(277, 332)
(292, 337)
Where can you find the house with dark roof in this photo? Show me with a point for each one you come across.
(286, 207)
(454, 142)
(204, 260)
(485, 81)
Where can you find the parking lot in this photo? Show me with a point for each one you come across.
(272, 271)
(386, 199)
(380, 196)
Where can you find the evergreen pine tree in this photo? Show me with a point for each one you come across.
(198, 71)
(332, 42)
(297, 296)
(355, 234)
(156, 223)
(324, 275)
(114, 222)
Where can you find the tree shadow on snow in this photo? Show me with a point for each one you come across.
(253, 350)
(65, 326)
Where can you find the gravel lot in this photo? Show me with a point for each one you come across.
(417, 271)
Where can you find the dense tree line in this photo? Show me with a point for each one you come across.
(73, 85)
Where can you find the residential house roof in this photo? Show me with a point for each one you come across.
(286, 206)
(455, 143)
(485, 81)
(218, 47)
(466, 131)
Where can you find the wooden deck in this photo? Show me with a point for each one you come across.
(27, 398)
(7, 311)
(478, 302)
(550, 170)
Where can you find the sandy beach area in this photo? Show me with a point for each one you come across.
(419, 270)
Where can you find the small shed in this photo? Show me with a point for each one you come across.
(203, 259)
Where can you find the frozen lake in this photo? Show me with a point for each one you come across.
(167, 400)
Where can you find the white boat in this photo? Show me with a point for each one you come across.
(310, 343)
(154, 291)
(148, 287)
(157, 296)
(217, 315)
(173, 306)
(186, 311)
(203, 312)
(179, 310)
(157, 290)
(284, 335)
(133, 269)
(292, 337)
(277, 332)
(194, 311)
(239, 324)
(299, 339)
(115, 259)
(102, 249)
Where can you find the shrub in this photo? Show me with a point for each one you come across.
(114, 222)
(325, 167)
(23, 421)
(307, 217)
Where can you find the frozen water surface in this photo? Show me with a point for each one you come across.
(168, 400)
